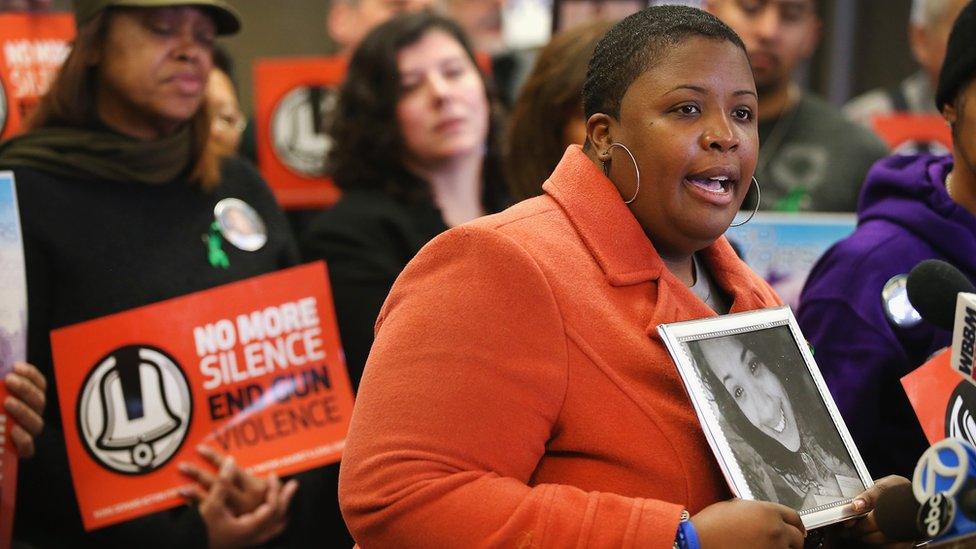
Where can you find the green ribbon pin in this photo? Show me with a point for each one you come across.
(215, 251)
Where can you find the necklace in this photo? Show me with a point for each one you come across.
(781, 127)
(948, 185)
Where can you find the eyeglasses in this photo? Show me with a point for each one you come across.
(229, 121)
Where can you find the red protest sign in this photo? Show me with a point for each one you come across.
(293, 98)
(942, 399)
(32, 49)
(253, 369)
(905, 132)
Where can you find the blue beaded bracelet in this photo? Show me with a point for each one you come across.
(687, 536)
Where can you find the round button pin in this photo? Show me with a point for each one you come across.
(240, 224)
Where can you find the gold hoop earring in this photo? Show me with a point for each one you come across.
(606, 170)
(756, 209)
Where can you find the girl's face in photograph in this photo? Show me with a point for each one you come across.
(755, 389)
(690, 121)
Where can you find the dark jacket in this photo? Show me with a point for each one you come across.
(904, 216)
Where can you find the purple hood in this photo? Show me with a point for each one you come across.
(909, 191)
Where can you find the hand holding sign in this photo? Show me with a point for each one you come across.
(25, 404)
(245, 492)
(225, 530)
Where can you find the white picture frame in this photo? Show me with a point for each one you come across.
(767, 413)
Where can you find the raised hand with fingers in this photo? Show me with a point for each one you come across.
(226, 529)
(25, 406)
(245, 492)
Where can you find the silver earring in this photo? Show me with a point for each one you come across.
(606, 171)
(758, 199)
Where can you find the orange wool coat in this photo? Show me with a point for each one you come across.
(518, 394)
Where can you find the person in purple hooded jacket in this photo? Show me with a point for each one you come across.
(854, 309)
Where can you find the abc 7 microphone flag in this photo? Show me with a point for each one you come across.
(945, 484)
(252, 369)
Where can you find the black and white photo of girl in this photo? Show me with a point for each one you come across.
(774, 419)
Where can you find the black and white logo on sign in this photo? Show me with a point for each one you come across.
(959, 421)
(298, 129)
(134, 409)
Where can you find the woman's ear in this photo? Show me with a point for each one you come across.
(949, 113)
(598, 133)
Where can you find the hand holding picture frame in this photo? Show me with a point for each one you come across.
(767, 413)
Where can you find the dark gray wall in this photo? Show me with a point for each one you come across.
(882, 55)
(864, 46)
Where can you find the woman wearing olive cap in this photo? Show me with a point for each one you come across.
(121, 206)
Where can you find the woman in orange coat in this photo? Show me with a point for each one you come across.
(517, 393)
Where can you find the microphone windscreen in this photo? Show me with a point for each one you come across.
(932, 289)
(896, 513)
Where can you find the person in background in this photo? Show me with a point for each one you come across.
(854, 309)
(349, 21)
(928, 32)
(225, 109)
(481, 21)
(548, 114)
(517, 393)
(346, 23)
(117, 192)
(812, 158)
(415, 154)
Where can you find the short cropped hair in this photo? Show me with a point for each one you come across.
(639, 42)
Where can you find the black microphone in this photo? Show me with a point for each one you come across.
(933, 286)
(896, 512)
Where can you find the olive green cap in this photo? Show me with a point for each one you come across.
(226, 18)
